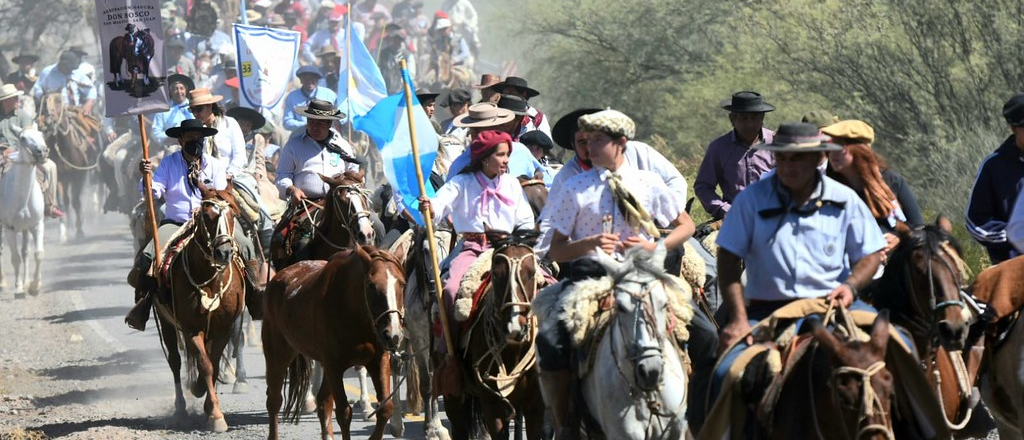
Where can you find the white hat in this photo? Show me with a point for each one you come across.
(8, 91)
(442, 23)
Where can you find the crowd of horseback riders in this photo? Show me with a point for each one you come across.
(583, 285)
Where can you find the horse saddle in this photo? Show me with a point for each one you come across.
(172, 250)
(295, 223)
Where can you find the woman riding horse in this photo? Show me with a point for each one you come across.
(180, 180)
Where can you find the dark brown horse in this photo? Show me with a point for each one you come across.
(837, 389)
(499, 356)
(206, 294)
(72, 136)
(343, 312)
(135, 54)
(921, 287)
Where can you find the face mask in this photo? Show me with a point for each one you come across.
(193, 148)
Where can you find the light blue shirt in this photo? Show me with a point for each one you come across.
(169, 182)
(520, 163)
(294, 120)
(52, 80)
(168, 119)
(798, 254)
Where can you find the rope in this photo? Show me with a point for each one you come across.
(632, 210)
(60, 124)
(963, 385)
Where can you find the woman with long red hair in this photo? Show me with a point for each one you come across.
(886, 193)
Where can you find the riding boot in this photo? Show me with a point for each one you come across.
(253, 294)
(138, 316)
(555, 389)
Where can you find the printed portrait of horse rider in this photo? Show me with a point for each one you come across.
(613, 206)
(180, 180)
(12, 121)
(730, 164)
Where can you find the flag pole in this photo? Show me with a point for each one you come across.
(245, 19)
(427, 217)
(348, 68)
(147, 180)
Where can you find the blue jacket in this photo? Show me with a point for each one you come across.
(1000, 178)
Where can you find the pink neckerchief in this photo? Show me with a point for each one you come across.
(489, 191)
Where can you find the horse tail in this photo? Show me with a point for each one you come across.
(299, 372)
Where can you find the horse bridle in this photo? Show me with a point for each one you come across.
(223, 235)
(869, 400)
(515, 281)
(935, 305)
(347, 218)
(388, 312)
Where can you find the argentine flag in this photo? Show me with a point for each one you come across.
(362, 86)
(388, 125)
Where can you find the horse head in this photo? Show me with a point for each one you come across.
(934, 272)
(385, 300)
(640, 310)
(862, 388)
(215, 226)
(348, 205)
(33, 143)
(513, 278)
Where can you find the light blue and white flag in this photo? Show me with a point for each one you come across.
(266, 57)
(387, 123)
(361, 85)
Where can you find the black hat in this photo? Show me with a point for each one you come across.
(427, 96)
(747, 102)
(537, 138)
(563, 131)
(456, 96)
(1013, 110)
(516, 104)
(320, 109)
(179, 78)
(248, 114)
(25, 58)
(78, 49)
(190, 125)
(517, 82)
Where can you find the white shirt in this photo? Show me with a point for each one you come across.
(230, 144)
(640, 156)
(303, 159)
(577, 208)
(461, 198)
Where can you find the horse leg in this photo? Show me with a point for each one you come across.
(496, 426)
(226, 371)
(241, 380)
(169, 334)
(16, 259)
(334, 378)
(277, 355)
(397, 427)
(316, 379)
(364, 395)
(380, 374)
(325, 410)
(62, 225)
(76, 202)
(3, 282)
(457, 408)
(37, 252)
(433, 427)
(214, 417)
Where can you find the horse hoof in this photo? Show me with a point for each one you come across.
(19, 295)
(397, 430)
(34, 289)
(368, 415)
(227, 377)
(240, 388)
(437, 433)
(216, 425)
(310, 407)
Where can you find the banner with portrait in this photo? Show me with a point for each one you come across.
(132, 43)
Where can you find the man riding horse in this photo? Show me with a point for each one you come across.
(12, 121)
(180, 180)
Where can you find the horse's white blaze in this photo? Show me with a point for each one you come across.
(365, 225)
(392, 295)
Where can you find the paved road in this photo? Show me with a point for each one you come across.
(70, 367)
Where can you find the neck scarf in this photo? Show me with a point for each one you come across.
(491, 192)
(634, 213)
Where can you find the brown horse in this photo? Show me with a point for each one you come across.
(921, 287)
(837, 389)
(499, 356)
(134, 55)
(536, 193)
(206, 294)
(343, 312)
(75, 151)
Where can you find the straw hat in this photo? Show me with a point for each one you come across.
(202, 97)
(9, 91)
(484, 114)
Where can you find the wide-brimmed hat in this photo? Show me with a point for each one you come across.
(563, 130)
(537, 138)
(852, 129)
(1013, 110)
(248, 114)
(747, 102)
(517, 82)
(487, 80)
(202, 97)
(514, 103)
(320, 109)
(68, 58)
(456, 96)
(309, 70)
(798, 137)
(328, 50)
(25, 58)
(190, 125)
(179, 78)
(9, 91)
(612, 122)
(427, 96)
(484, 114)
(251, 15)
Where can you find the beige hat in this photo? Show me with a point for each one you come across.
(484, 114)
(9, 91)
(609, 121)
(852, 129)
(202, 97)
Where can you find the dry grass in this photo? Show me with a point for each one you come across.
(23, 434)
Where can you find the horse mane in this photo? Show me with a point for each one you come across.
(638, 259)
(519, 237)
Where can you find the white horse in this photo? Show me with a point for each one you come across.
(638, 384)
(21, 210)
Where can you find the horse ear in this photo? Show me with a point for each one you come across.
(324, 178)
(944, 223)
(880, 331)
(826, 338)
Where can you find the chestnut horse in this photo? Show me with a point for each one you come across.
(73, 137)
(500, 345)
(921, 287)
(343, 312)
(206, 296)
